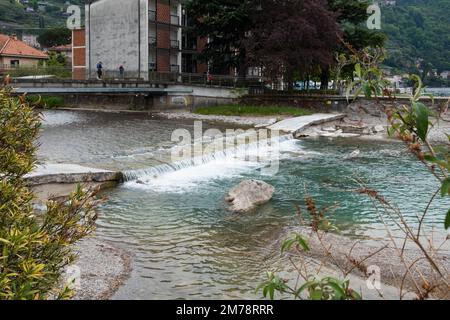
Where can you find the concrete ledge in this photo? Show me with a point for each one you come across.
(299, 124)
(70, 174)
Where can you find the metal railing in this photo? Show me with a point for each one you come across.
(174, 44)
(175, 20)
(189, 46)
(61, 72)
(175, 68)
(152, 15)
(174, 75)
(117, 75)
(220, 80)
(164, 77)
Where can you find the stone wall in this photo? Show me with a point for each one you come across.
(331, 103)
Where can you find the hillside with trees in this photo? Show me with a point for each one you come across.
(32, 14)
(419, 35)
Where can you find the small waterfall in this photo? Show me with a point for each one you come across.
(261, 151)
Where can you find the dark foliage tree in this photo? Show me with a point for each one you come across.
(295, 38)
(224, 23)
(55, 37)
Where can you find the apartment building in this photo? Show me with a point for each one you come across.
(143, 36)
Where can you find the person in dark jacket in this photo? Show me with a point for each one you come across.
(121, 73)
(99, 70)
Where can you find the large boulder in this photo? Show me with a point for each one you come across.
(249, 194)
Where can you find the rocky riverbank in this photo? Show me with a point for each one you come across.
(400, 270)
(231, 120)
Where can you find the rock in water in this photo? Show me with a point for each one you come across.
(355, 154)
(379, 129)
(249, 194)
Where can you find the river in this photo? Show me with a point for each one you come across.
(174, 221)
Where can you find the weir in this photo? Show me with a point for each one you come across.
(254, 154)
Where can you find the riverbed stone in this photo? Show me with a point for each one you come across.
(352, 128)
(249, 194)
(378, 129)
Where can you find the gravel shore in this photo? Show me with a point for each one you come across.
(103, 268)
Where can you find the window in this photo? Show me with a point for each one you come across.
(14, 63)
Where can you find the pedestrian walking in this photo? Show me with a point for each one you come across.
(121, 73)
(99, 70)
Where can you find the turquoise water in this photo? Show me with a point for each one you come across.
(186, 244)
(173, 219)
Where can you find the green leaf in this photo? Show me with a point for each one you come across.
(297, 240)
(302, 243)
(287, 245)
(358, 70)
(316, 295)
(430, 158)
(391, 131)
(367, 90)
(422, 121)
(303, 288)
(445, 187)
(339, 292)
(265, 291)
(272, 291)
(447, 221)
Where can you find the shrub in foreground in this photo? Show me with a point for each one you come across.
(34, 248)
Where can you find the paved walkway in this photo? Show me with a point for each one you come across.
(299, 124)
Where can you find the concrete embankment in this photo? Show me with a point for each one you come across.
(51, 181)
(102, 267)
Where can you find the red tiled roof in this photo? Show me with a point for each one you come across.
(67, 47)
(11, 46)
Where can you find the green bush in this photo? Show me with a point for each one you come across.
(247, 110)
(34, 248)
(60, 72)
(51, 102)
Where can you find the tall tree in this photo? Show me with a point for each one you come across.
(55, 37)
(293, 37)
(224, 23)
(352, 16)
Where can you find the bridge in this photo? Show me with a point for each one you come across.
(99, 90)
(136, 94)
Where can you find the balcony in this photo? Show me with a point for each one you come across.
(152, 15)
(175, 20)
(190, 46)
(152, 41)
(174, 44)
(174, 68)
